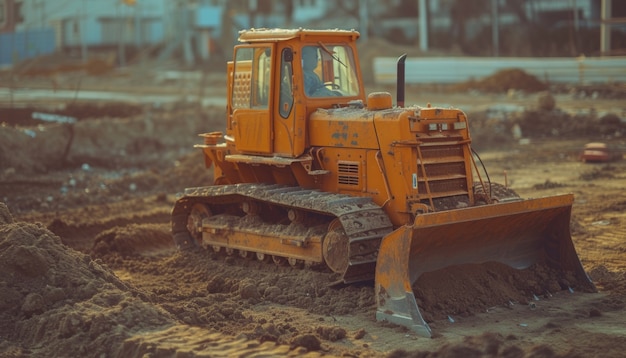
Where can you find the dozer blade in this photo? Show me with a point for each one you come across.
(518, 234)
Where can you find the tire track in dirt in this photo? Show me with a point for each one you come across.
(79, 228)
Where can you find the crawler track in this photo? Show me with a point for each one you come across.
(286, 223)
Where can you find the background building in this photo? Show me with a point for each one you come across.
(195, 31)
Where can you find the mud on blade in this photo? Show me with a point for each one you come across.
(518, 234)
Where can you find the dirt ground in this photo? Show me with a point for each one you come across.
(88, 267)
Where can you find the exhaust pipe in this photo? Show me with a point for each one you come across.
(400, 81)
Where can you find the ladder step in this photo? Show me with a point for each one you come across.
(441, 160)
(443, 194)
(441, 177)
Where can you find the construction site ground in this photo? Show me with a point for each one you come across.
(88, 267)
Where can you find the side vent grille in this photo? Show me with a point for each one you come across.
(349, 173)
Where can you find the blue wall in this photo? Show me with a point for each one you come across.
(19, 46)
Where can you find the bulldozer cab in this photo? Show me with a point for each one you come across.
(277, 79)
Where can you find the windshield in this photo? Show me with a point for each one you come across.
(329, 70)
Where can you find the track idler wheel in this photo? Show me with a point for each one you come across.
(336, 247)
(187, 225)
(194, 221)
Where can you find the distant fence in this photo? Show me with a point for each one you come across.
(460, 69)
(19, 46)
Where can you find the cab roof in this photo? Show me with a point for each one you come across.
(276, 35)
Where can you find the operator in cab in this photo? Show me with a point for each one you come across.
(313, 85)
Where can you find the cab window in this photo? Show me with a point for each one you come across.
(251, 77)
(286, 88)
(328, 70)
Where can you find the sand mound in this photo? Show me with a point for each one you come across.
(58, 302)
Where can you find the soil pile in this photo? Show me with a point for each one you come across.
(504, 81)
(466, 290)
(60, 302)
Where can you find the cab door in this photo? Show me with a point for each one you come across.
(251, 98)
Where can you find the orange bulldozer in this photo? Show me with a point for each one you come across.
(312, 171)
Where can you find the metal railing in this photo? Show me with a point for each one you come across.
(581, 70)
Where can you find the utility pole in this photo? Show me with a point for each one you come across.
(83, 32)
(605, 29)
(423, 19)
(363, 20)
(121, 46)
(495, 28)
